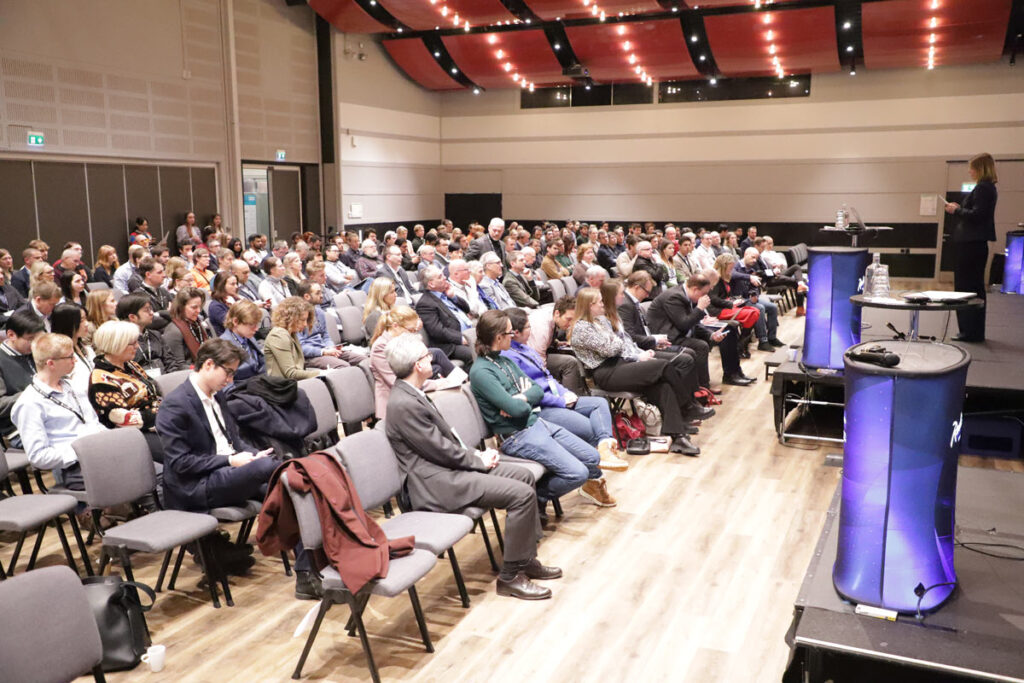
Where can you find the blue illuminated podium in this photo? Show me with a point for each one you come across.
(1013, 267)
(833, 323)
(899, 476)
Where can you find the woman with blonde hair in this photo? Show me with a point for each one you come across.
(240, 325)
(379, 300)
(41, 271)
(293, 274)
(106, 264)
(100, 306)
(281, 347)
(972, 233)
(616, 363)
(120, 391)
(396, 322)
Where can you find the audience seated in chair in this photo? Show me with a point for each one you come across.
(318, 350)
(445, 316)
(17, 367)
(281, 347)
(187, 331)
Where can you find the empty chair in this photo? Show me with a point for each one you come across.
(48, 633)
(333, 329)
(374, 469)
(341, 299)
(96, 286)
(557, 289)
(403, 573)
(117, 469)
(326, 433)
(357, 297)
(353, 395)
(351, 325)
(570, 285)
(33, 512)
(171, 381)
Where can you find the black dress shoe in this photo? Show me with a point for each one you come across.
(962, 338)
(542, 509)
(765, 346)
(691, 429)
(699, 413)
(745, 353)
(776, 342)
(521, 587)
(538, 572)
(738, 380)
(682, 445)
(307, 586)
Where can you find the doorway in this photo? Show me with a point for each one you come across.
(463, 209)
(273, 199)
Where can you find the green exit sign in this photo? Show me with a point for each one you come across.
(36, 139)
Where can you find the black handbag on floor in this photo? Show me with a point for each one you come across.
(121, 620)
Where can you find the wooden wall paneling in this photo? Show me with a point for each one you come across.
(311, 214)
(62, 205)
(142, 189)
(107, 208)
(18, 216)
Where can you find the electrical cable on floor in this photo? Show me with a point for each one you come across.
(973, 547)
(920, 591)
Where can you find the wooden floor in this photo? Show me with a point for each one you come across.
(692, 577)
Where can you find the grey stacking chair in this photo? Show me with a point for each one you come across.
(570, 285)
(96, 286)
(557, 289)
(17, 464)
(33, 512)
(403, 573)
(353, 395)
(357, 297)
(332, 321)
(118, 469)
(326, 433)
(341, 299)
(170, 381)
(373, 467)
(48, 633)
(351, 325)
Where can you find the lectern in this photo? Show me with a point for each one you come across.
(833, 322)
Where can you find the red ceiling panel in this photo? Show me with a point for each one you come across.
(424, 15)
(659, 48)
(347, 16)
(898, 33)
(804, 39)
(550, 10)
(694, 4)
(415, 59)
(528, 53)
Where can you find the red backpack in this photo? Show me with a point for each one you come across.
(706, 398)
(629, 427)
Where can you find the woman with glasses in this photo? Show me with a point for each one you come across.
(201, 272)
(511, 404)
(69, 320)
(395, 323)
(120, 391)
(240, 325)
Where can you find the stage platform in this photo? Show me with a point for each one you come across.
(977, 635)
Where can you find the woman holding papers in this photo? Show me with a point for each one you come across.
(975, 229)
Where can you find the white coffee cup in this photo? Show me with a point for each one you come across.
(155, 657)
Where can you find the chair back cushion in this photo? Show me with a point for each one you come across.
(116, 465)
(323, 407)
(307, 516)
(372, 465)
(460, 411)
(331, 319)
(570, 285)
(557, 289)
(351, 325)
(171, 381)
(47, 633)
(352, 392)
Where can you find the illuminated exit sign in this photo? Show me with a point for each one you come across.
(36, 138)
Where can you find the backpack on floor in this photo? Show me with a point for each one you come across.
(628, 427)
(706, 398)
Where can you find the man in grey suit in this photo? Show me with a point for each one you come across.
(519, 283)
(443, 475)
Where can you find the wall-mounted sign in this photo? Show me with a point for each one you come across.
(355, 210)
(967, 187)
(280, 155)
(36, 138)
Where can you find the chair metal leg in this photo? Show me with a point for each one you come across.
(64, 544)
(104, 559)
(497, 530)
(361, 601)
(487, 544)
(81, 544)
(357, 616)
(415, 599)
(286, 563)
(245, 530)
(163, 570)
(17, 551)
(177, 568)
(35, 549)
(557, 505)
(458, 578)
(389, 511)
(325, 605)
(22, 476)
(228, 600)
(208, 571)
(126, 562)
(97, 674)
(3, 574)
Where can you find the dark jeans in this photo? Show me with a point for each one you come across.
(700, 350)
(234, 485)
(569, 460)
(442, 366)
(969, 276)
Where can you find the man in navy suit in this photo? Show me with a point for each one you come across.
(445, 317)
(206, 462)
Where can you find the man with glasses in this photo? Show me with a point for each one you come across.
(206, 462)
(50, 415)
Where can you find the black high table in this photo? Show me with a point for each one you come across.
(915, 309)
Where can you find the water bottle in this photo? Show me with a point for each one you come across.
(876, 278)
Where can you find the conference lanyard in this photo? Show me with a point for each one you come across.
(77, 410)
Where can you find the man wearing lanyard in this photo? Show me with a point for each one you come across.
(50, 416)
(206, 462)
(588, 417)
(137, 308)
(16, 366)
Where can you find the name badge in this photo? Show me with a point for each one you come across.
(153, 372)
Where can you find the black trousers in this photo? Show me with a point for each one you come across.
(700, 350)
(463, 353)
(969, 276)
(565, 368)
(235, 485)
(666, 384)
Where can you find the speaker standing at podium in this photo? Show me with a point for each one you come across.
(975, 229)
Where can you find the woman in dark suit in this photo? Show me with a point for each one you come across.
(975, 229)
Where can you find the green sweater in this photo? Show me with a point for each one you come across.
(489, 378)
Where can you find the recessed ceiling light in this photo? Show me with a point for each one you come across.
(847, 26)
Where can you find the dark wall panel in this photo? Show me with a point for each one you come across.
(311, 199)
(18, 215)
(463, 209)
(204, 194)
(107, 209)
(175, 197)
(284, 202)
(62, 204)
(143, 191)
